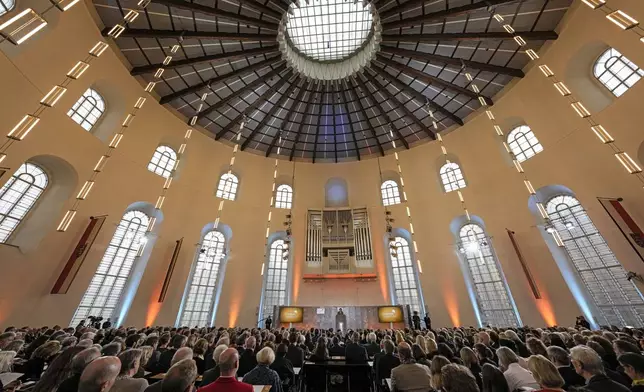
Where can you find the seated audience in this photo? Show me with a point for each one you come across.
(99, 375)
(247, 357)
(372, 347)
(633, 365)
(545, 373)
(384, 362)
(42, 356)
(295, 353)
(6, 361)
(165, 359)
(409, 376)
(354, 352)
(419, 355)
(59, 370)
(516, 376)
(199, 351)
(457, 378)
(471, 361)
(125, 382)
(588, 364)
(284, 367)
(146, 354)
(78, 364)
(211, 375)
(436, 377)
(228, 362)
(181, 377)
(493, 379)
(262, 374)
(561, 359)
(320, 353)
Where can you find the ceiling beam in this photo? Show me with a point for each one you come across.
(433, 16)
(408, 90)
(252, 85)
(301, 123)
(271, 112)
(406, 112)
(343, 102)
(257, 6)
(429, 38)
(289, 116)
(382, 111)
(241, 71)
(147, 33)
(251, 108)
(204, 59)
(231, 16)
(366, 118)
(429, 57)
(429, 79)
(317, 129)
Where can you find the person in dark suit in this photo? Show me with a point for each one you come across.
(588, 364)
(227, 382)
(354, 352)
(165, 358)
(284, 367)
(416, 320)
(247, 360)
(268, 322)
(633, 365)
(428, 321)
(385, 361)
(78, 364)
(210, 375)
(409, 376)
(294, 353)
(372, 347)
(561, 360)
(337, 349)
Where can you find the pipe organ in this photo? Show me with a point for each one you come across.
(338, 241)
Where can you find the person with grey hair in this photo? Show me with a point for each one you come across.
(181, 377)
(130, 361)
(211, 375)
(561, 359)
(179, 355)
(79, 363)
(458, 378)
(262, 374)
(165, 359)
(588, 364)
(516, 376)
(409, 376)
(227, 382)
(247, 359)
(99, 375)
(372, 347)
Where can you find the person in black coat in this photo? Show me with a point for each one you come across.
(336, 349)
(428, 322)
(372, 347)
(294, 353)
(416, 320)
(560, 358)
(247, 359)
(284, 368)
(385, 361)
(165, 359)
(588, 364)
(633, 365)
(354, 352)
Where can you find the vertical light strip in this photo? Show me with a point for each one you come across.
(625, 22)
(17, 134)
(97, 50)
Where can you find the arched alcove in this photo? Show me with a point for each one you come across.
(279, 257)
(403, 285)
(115, 109)
(336, 193)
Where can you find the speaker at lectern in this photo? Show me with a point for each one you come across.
(341, 321)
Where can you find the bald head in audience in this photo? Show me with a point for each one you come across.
(181, 376)
(181, 354)
(99, 375)
(228, 362)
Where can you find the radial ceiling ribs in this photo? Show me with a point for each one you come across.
(431, 17)
(289, 115)
(272, 110)
(317, 129)
(435, 37)
(429, 57)
(257, 6)
(381, 110)
(252, 107)
(205, 59)
(415, 94)
(390, 98)
(364, 114)
(346, 110)
(241, 71)
(252, 85)
(146, 33)
(429, 79)
(298, 131)
(202, 9)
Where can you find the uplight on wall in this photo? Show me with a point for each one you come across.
(22, 26)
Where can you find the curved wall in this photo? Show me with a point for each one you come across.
(572, 157)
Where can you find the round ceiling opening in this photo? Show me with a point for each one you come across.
(329, 30)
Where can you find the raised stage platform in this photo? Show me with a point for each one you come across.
(357, 317)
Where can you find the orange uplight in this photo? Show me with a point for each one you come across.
(233, 314)
(154, 307)
(545, 308)
(452, 305)
(297, 277)
(382, 274)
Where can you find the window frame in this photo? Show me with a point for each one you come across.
(166, 170)
(528, 147)
(7, 6)
(455, 183)
(221, 192)
(74, 110)
(601, 68)
(284, 197)
(390, 193)
(276, 248)
(409, 269)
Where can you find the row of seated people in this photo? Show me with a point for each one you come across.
(447, 360)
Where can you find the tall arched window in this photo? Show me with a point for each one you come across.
(452, 177)
(199, 306)
(163, 161)
(6, 6)
(19, 195)
(105, 289)
(493, 299)
(275, 291)
(616, 72)
(403, 270)
(88, 109)
(617, 299)
(227, 187)
(390, 193)
(523, 143)
(284, 196)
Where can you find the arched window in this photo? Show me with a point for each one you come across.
(493, 299)
(523, 143)
(617, 299)
(199, 304)
(105, 289)
(88, 109)
(275, 291)
(390, 193)
(6, 6)
(403, 270)
(616, 72)
(19, 195)
(163, 161)
(452, 177)
(227, 187)
(284, 196)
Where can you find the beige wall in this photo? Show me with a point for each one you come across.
(572, 157)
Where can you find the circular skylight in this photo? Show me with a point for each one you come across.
(328, 30)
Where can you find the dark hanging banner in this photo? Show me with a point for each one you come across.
(625, 223)
(524, 265)
(77, 258)
(168, 275)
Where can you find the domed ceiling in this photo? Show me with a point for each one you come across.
(335, 79)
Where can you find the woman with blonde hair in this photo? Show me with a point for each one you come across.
(420, 340)
(432, 348)
(6, 361)
(471, 361)
(436, 379)
(545, 373)
(399, 337)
